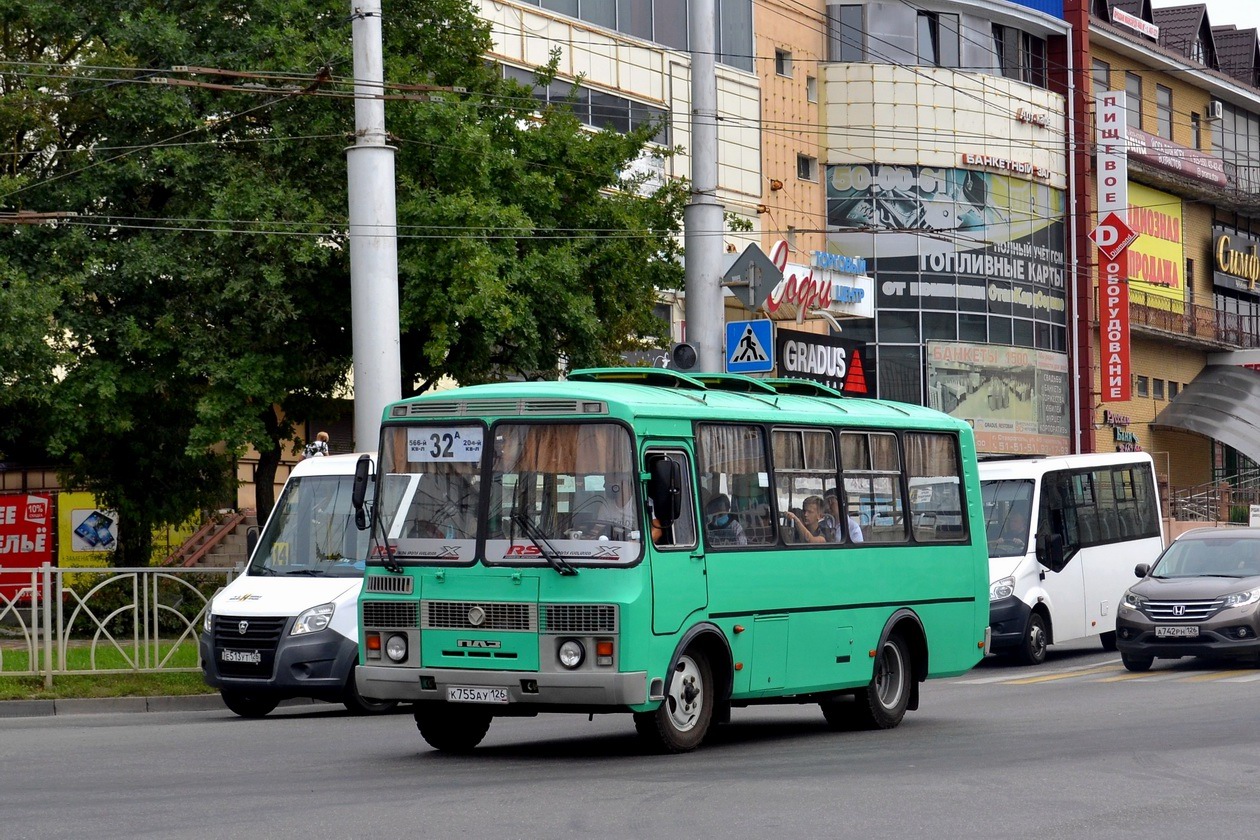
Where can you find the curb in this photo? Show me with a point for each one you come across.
(109, 705)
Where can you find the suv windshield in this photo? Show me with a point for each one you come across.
(1222, 557)
(312, 531)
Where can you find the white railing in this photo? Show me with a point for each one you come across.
(140, 618)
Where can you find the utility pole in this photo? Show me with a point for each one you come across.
(703, 218)
(373, 234)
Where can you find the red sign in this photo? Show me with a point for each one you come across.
(26, 541)
(1113, 325)
(1112, 236)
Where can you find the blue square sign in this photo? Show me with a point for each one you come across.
(750, 346)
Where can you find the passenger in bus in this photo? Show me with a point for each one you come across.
(721, 527)
(811, 524)
(849, 525)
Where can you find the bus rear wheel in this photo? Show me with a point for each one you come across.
(883, 703)
(452, 729)
(682, 720)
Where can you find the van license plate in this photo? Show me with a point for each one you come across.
(1176, 632)
(475, 694)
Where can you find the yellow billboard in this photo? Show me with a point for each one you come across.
(1157, 258)
(87, 534)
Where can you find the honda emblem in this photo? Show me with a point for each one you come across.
(1178, 610)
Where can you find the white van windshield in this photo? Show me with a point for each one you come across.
(1007, 514)
(312, 531)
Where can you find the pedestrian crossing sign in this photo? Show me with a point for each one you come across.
(750, 346)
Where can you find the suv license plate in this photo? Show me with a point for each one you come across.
(475, 694)
(1176, 632)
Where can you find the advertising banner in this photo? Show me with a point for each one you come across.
(87, 533)
(26, 541)
(1157, 259)
(835, 362)
(1235, 260)
(1113, 268)
(1015, 398)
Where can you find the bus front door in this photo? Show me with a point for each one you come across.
(679, 582)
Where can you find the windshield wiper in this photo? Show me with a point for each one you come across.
(539, 539)
(308, 572)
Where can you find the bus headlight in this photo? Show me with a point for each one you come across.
(396, 647)
(1003, 588)
(313, 620)
(571, 653)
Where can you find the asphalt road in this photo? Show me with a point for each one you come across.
(1076, 748)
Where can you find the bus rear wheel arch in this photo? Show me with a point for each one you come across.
(900, 664)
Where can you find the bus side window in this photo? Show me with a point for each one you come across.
(682, 532)
(733, 460)
(871, 468)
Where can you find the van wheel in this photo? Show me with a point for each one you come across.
(1033, 649)
(357, 704)
(451, 729)
(682, 720)
(1137, 664)
(248, 705)
(1108, 640)
(882, 704)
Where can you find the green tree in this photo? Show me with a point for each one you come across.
(197, 300)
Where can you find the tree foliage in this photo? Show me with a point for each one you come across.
(193, 296)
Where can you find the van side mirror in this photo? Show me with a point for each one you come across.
(665, 489)
(358, 491)
(1050, 551)
(1142, 570)
(251, 540)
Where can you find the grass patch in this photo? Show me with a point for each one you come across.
(79, 658)
(151, 684)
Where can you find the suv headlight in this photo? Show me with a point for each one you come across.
(1242, 599)
(1003, 588)
(313, 620)
(1132, 600)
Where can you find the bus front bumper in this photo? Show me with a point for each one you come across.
(577, 688)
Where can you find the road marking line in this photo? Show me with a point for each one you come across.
(1092, 672)
(1249, 678)
(1219, 675)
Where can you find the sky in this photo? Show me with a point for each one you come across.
(1244, 14)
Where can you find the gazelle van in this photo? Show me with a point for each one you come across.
(1064, 534)
(288, 627)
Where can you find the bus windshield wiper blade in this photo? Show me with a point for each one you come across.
(539, 539)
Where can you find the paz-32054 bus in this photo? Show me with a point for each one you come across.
(671, 546)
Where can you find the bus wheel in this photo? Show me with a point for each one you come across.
(451, 729)
(360, 705)
(1108, 640)
(1137, 664)
(248, 705)
(1033, 649)
(883, 703)
(682, 720)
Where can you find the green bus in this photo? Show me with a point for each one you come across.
(673, 546)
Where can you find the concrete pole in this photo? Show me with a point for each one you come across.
(373, 231)
(702, 218)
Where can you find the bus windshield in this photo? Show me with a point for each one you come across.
(554, 489)
(1007, 514)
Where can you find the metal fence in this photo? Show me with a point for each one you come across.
(103, 620)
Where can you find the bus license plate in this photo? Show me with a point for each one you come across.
(1176, 632)
(475, 694)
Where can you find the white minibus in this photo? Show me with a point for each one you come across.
(1064, 534)
(289, 626)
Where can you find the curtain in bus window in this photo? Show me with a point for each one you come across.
(935, 486)
(871, 469)
(735, 486)
(805, 485)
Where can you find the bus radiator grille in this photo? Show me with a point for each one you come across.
(479, 615)
(390, 613)
(579, 619)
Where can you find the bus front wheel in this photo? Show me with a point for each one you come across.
(682, 720)
(452, 729)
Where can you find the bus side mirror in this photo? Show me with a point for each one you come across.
(358, 492)
(1142, 570)
(665, 490)
(1050, 551)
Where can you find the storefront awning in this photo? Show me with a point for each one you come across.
(1223, 403)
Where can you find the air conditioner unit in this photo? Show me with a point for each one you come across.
(1216, 110)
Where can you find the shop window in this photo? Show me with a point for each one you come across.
(1143, 386)
(1157, 388)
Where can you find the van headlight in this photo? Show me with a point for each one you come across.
(313, 620)
(1242, 599)
(1003, 588)
(208, 624)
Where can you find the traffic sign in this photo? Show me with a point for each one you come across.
(1112, 236)
(750, 346)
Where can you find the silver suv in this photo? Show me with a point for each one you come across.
(1200, 598)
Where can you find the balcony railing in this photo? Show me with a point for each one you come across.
(1201, 324)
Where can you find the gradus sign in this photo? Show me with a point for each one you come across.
(835, 362)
